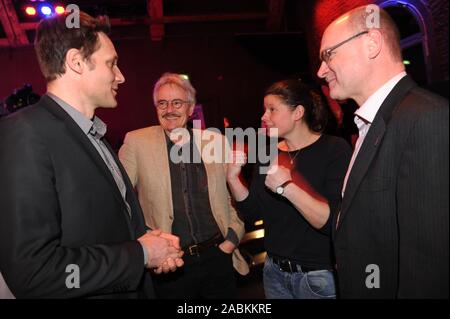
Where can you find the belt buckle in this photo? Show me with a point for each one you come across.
(193, 250)
(290, 266)
(285, 265)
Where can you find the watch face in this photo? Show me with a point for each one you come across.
(280, 190)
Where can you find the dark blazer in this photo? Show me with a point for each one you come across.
(60, 206)
(394, 213)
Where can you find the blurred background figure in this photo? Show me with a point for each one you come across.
(19, 99)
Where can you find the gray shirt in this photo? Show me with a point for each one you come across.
(95, 130)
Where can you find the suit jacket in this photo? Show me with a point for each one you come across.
(394, 215)
(60, 207)
(145, 158)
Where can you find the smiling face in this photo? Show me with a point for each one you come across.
(171, 117)
(277, 114)
(101, 80)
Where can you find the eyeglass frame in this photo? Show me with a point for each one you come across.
(325, 55)
(182, 102)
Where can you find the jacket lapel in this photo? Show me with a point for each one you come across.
(83, 140)
(372, 142)
(136, 211)
(362, 162)
(212, 186)
(160, 159)
(209, 167)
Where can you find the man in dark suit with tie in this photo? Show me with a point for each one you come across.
(391, 234)
(70, 223)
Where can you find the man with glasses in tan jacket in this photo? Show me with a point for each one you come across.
(183, 192)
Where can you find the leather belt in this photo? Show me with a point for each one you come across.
(287, 265)
(197, 249)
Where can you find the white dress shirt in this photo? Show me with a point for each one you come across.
(365, 115)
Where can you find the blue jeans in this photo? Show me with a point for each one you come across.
(279, 284)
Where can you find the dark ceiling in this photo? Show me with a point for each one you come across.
(158, 19)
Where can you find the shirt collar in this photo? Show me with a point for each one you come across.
(95, 126)
(369, 109)
(98, 128)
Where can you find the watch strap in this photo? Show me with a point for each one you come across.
(286, 183)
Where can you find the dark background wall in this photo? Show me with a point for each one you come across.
(230, 74)
(317, 14)
(229, 71)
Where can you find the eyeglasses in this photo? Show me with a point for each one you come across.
(325, 55)
(176, 104)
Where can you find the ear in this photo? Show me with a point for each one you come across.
(191, 109)
(74, 61)
(375, 43)
(299, 112)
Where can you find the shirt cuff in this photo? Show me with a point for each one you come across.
(231, 236)
(145, 255)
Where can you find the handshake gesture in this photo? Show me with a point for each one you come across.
(163, 251)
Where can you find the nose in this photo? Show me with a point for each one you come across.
(170, 107)
(265, 116)
(119, 76)
(323, 69)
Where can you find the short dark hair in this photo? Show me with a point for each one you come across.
(54, 39)
(295, 92)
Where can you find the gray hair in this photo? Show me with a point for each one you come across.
(175, 79)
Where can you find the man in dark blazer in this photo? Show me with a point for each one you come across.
(391, 234)
(70, 223)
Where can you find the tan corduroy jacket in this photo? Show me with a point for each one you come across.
(146, 160)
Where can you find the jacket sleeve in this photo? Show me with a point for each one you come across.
(127, 157)
(236, 223)
(423, 208)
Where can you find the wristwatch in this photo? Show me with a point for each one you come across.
(280, 189)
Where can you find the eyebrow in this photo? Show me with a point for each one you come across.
(114, 58)
(326, 49)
